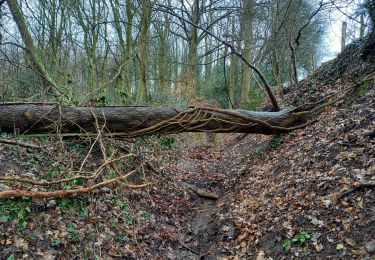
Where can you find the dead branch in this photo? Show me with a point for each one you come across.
(356, 188)
(70, 193)
(201, 192)
(13, 142)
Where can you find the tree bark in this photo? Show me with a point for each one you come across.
(343, 35)
(137, 121)
(192, 68)
(125, 42)
(362, 26)
(247, 31)
(90, 42)
(142, 92)
(293, 60)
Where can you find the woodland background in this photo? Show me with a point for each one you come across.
(149, 52)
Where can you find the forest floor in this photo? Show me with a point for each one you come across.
(308, 194)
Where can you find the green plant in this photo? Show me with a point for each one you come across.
(128, 216)
(122, 94)
(121, 238)
(5, 135)
(66, 204)
(167, 141)
(275, 142)
(300, 239)
(256, 98)
(125, 161)
(77, 147)
(102, 100)
(67, 98)
(83, 212)
(340, 246)
(44, 139)
(89, 253)
(71, 184)
(111, 174)
(11, 257)
(31, 164)
(17, 210)
(146, 216)
(4, 218)
(53, 172)
(361, 90)
(112, 152)
(73, 233)
(57, 243)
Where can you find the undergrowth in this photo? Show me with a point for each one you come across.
(16, 209)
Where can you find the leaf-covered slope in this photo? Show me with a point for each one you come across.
(313, 195)
(296, 187)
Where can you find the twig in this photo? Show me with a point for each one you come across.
(12, 142)
(188, 248)
(99, 131)
(201, 192)
(356, 188)
(49, 183)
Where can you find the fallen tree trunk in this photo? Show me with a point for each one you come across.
(137, 121)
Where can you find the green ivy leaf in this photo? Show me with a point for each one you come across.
(340, 246)
(4, 218)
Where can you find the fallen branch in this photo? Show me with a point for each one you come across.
(356, 188)
(13, 142)
(188, 248)
(70, 193)
(201, 192)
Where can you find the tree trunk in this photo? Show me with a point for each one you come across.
(231, 84)
(137, 121)
(125, 43)
(192, 67)
(275, 65)
(343, 35)
(293, 60)
(314, 61)
(208, 82)
(362, 26)
(33, 54)
(248, 37)
(142, 94)
(162, 65)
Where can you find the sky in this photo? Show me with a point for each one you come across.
(333, 39)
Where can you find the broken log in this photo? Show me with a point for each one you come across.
(137, 121)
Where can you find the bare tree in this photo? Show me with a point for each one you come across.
(30, 47)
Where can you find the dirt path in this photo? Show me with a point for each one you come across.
(207, 169)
